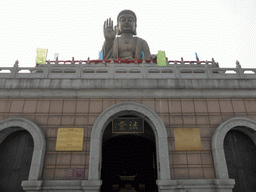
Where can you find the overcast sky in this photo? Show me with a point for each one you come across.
(221, 29)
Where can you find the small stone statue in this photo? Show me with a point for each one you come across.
(126, 46)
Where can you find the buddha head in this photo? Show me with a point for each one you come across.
(126, 22)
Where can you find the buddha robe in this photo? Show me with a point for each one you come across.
(130, 52)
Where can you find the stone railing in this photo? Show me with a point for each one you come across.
(128, 71)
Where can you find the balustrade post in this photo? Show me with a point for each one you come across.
(239, 70)
(15, 69)
(144, 71)
(207, 70)
(46, 70)
(176, 70)
(79, 70)
(111, 70)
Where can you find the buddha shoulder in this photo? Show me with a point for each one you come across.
(142, 43)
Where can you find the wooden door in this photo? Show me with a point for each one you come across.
(240, 153)
(15, 160)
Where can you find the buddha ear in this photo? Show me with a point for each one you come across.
(135, 30)
(118, 31)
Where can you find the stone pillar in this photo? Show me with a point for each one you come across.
(91, 185)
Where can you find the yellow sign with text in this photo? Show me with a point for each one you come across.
(70, 139)
(187, 139)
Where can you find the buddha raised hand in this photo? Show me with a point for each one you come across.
(126, 45)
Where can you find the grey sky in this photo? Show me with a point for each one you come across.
(222, 29)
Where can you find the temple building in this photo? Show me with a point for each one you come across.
(116, 126)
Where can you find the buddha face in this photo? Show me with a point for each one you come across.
(127, 23)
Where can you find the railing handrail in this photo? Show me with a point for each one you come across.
(132, 70)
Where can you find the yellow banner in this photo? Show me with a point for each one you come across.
(187, 139)
(161, 59)
(41, 55)
(70, 139)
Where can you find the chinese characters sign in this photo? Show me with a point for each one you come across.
(128, 125)
(70, 139)
(76, 172)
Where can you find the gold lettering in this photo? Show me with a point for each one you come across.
(134, 125)
(122, 125)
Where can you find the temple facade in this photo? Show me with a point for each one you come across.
(198, 125)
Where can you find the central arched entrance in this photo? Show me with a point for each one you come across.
(157, 126)
(129, 160)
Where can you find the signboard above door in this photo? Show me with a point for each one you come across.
(128, 125)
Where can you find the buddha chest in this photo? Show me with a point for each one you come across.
(126, 44)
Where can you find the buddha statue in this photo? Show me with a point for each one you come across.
(126, 45)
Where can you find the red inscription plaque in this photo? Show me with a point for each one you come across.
(76, 172)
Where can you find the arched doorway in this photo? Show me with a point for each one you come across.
(15, 156)
(9, 126)
(240, 153)
(156, 125)
(129, 160)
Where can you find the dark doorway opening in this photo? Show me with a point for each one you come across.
(15, 159)
(240, 153)
(129, 161)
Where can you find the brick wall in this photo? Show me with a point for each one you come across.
(205, 114)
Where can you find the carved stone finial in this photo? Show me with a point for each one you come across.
(238, 64)
(88, 61)
(182, 61)
(213, 62)
(16, 64)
